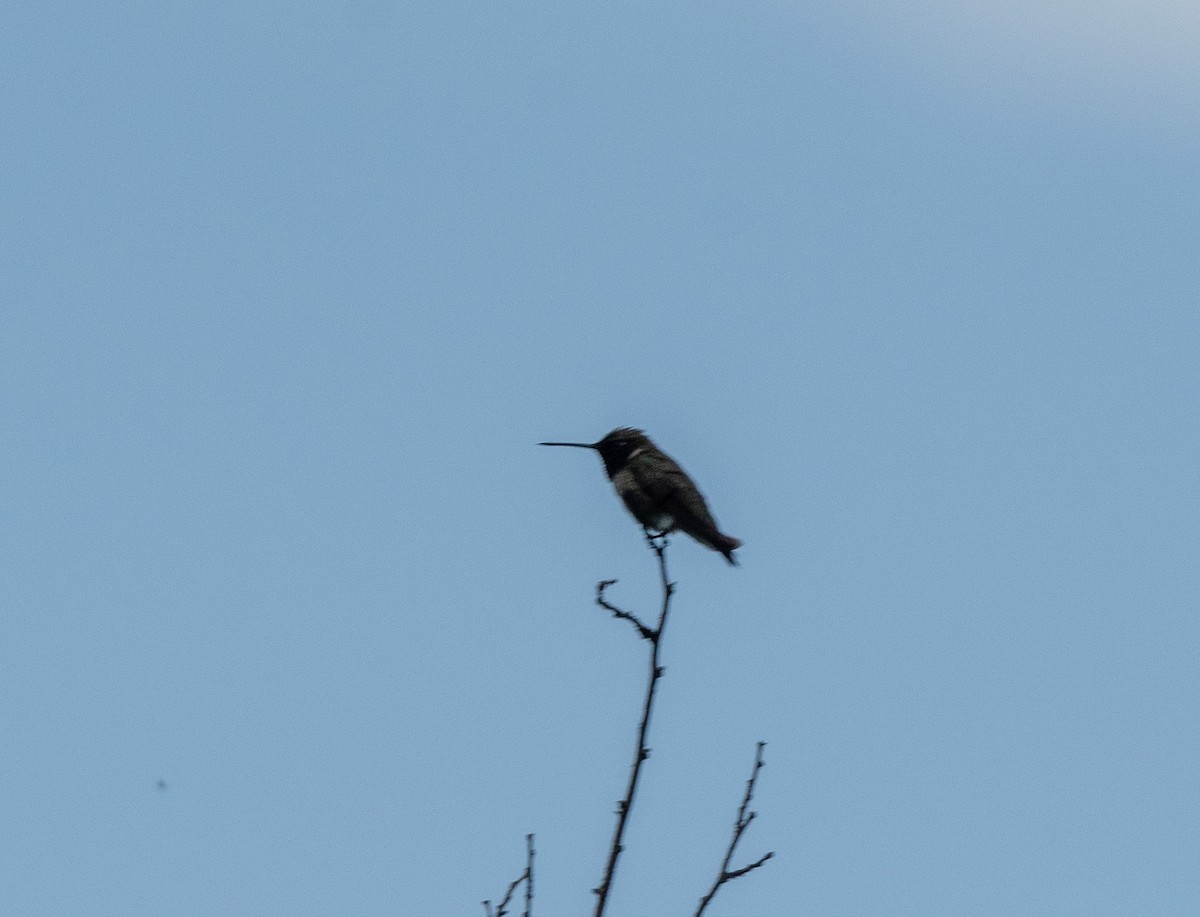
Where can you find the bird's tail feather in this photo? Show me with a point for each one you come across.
(726, 544)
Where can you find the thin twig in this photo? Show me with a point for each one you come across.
(529, 851)
(739, 826)
(502, 907)
(641, 752)
(526, 877)
(642, 629)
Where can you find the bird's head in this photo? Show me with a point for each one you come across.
(617, 448)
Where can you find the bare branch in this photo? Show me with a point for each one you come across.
(502, 907)
(641, 752)
(642, 629)
(529, 851)
(526, 877)
(742, 822)
(745, 869)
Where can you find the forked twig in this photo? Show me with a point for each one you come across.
(739, 826)
(527, 877)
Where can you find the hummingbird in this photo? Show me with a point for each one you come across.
(656, 490)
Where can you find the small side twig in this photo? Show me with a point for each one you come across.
(641, 751)
(502, 907)
(645, 632)
(527, 877)
(725, 874)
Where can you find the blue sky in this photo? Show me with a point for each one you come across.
(291, 290)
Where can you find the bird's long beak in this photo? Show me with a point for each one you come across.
(576, 445)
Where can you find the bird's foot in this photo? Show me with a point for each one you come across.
(656, 540)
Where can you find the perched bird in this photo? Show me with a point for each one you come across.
(656, 490)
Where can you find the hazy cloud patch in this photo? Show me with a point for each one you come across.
(1123, 46)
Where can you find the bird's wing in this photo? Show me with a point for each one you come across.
(659, 476)
(671, 489)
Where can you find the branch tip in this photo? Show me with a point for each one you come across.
(744, 817)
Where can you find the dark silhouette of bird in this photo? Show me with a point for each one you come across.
(656, 490)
